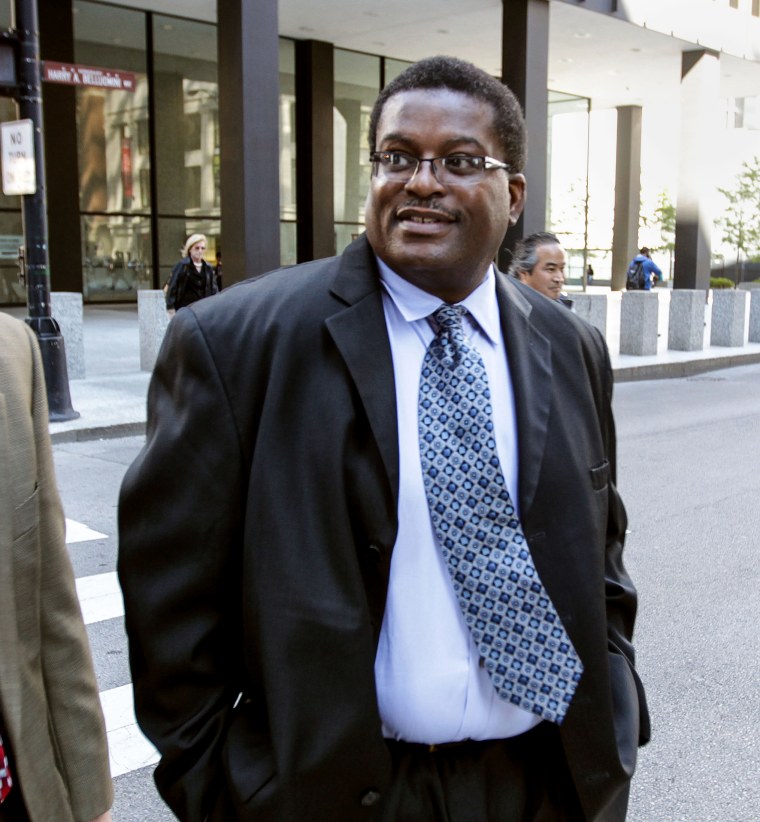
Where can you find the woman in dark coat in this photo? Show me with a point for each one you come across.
(192, 278)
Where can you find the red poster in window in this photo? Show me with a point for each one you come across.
(126, 170)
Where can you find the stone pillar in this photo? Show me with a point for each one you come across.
(686, 322)
(754, 315)
(153, 320)
(249, 111)
(66, 308)
(593, 309)
(315, 191)
(729, 317)
(625, 231)
(701, 111)
(525, 69)
(638, 323)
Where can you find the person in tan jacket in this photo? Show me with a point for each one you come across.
(55, 767)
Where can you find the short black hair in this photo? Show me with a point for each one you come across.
(459, 75)
(525, 257)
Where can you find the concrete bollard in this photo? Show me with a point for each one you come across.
(729, 317)
(66, 308)
(638, 323)
(593, 309)
(686, 320)
(754, 315)
(153, 320)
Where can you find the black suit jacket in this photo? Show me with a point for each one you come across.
(257, 526)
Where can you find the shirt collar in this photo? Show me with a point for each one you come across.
(415, 304)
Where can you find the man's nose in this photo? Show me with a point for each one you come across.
(425, 179)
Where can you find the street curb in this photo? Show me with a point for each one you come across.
(688, 368)
(103, 432)
(628, 373)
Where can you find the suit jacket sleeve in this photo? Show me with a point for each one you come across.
(176, 279)
(76, 726)
(621, 596)
(181, 510)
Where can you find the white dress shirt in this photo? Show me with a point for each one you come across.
(431, 687)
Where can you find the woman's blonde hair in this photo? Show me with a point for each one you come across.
(191, 241)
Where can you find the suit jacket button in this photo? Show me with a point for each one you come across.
(370, 797)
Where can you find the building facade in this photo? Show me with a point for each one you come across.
(246, 120)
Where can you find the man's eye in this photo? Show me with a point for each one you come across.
(396, 159)
(462, 163)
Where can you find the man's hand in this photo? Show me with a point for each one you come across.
(104, 817)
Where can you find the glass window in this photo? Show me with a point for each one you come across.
(357, 82)
(187, 118)
(567, 215)
(287, 131)
(392, 69)
(111, 155)
(288, 239)
(8, 112)
(116, 257)
(11, 237)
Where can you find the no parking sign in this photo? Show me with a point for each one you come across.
(19, 170)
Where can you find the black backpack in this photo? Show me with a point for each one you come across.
(635, 277)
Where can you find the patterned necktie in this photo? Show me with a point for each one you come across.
(5, 774)
(523, 644)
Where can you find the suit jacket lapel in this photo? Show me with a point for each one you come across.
(360, 333)
(530, 368)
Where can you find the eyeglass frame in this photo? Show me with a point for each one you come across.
(489, 164)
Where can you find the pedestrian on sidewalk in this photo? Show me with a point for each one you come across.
(53, 751)
(352, 590)
(650, 272)
(192, 277)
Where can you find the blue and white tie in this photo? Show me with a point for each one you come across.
(519, 635)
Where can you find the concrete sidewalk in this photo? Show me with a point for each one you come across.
(111, 398)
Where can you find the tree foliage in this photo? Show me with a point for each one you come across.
(739, 223)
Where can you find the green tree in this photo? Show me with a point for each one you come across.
(663, 217)
(739, 222)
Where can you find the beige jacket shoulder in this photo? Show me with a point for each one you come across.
(48, 694)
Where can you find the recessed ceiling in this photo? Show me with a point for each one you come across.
(593, 55)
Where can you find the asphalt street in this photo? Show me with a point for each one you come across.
(688, 457)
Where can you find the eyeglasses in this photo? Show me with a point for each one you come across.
(455, 169)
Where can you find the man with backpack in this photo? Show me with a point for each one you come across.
(642, 272)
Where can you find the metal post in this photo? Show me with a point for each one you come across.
(29, 99)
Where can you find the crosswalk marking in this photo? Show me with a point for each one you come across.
(79, 532)
(128, 749)
(100, 599)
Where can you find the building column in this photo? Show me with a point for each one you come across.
(249, 89)
(625, 231)
(700, 108)
(61, 151)
(314, 150)
(525, 69)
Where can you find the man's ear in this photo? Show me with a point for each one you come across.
(516, 196)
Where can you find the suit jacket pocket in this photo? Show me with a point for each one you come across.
(249, 765)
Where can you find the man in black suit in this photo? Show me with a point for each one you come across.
(300, 641)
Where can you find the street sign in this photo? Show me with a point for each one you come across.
(17, 148)
(72, 74)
